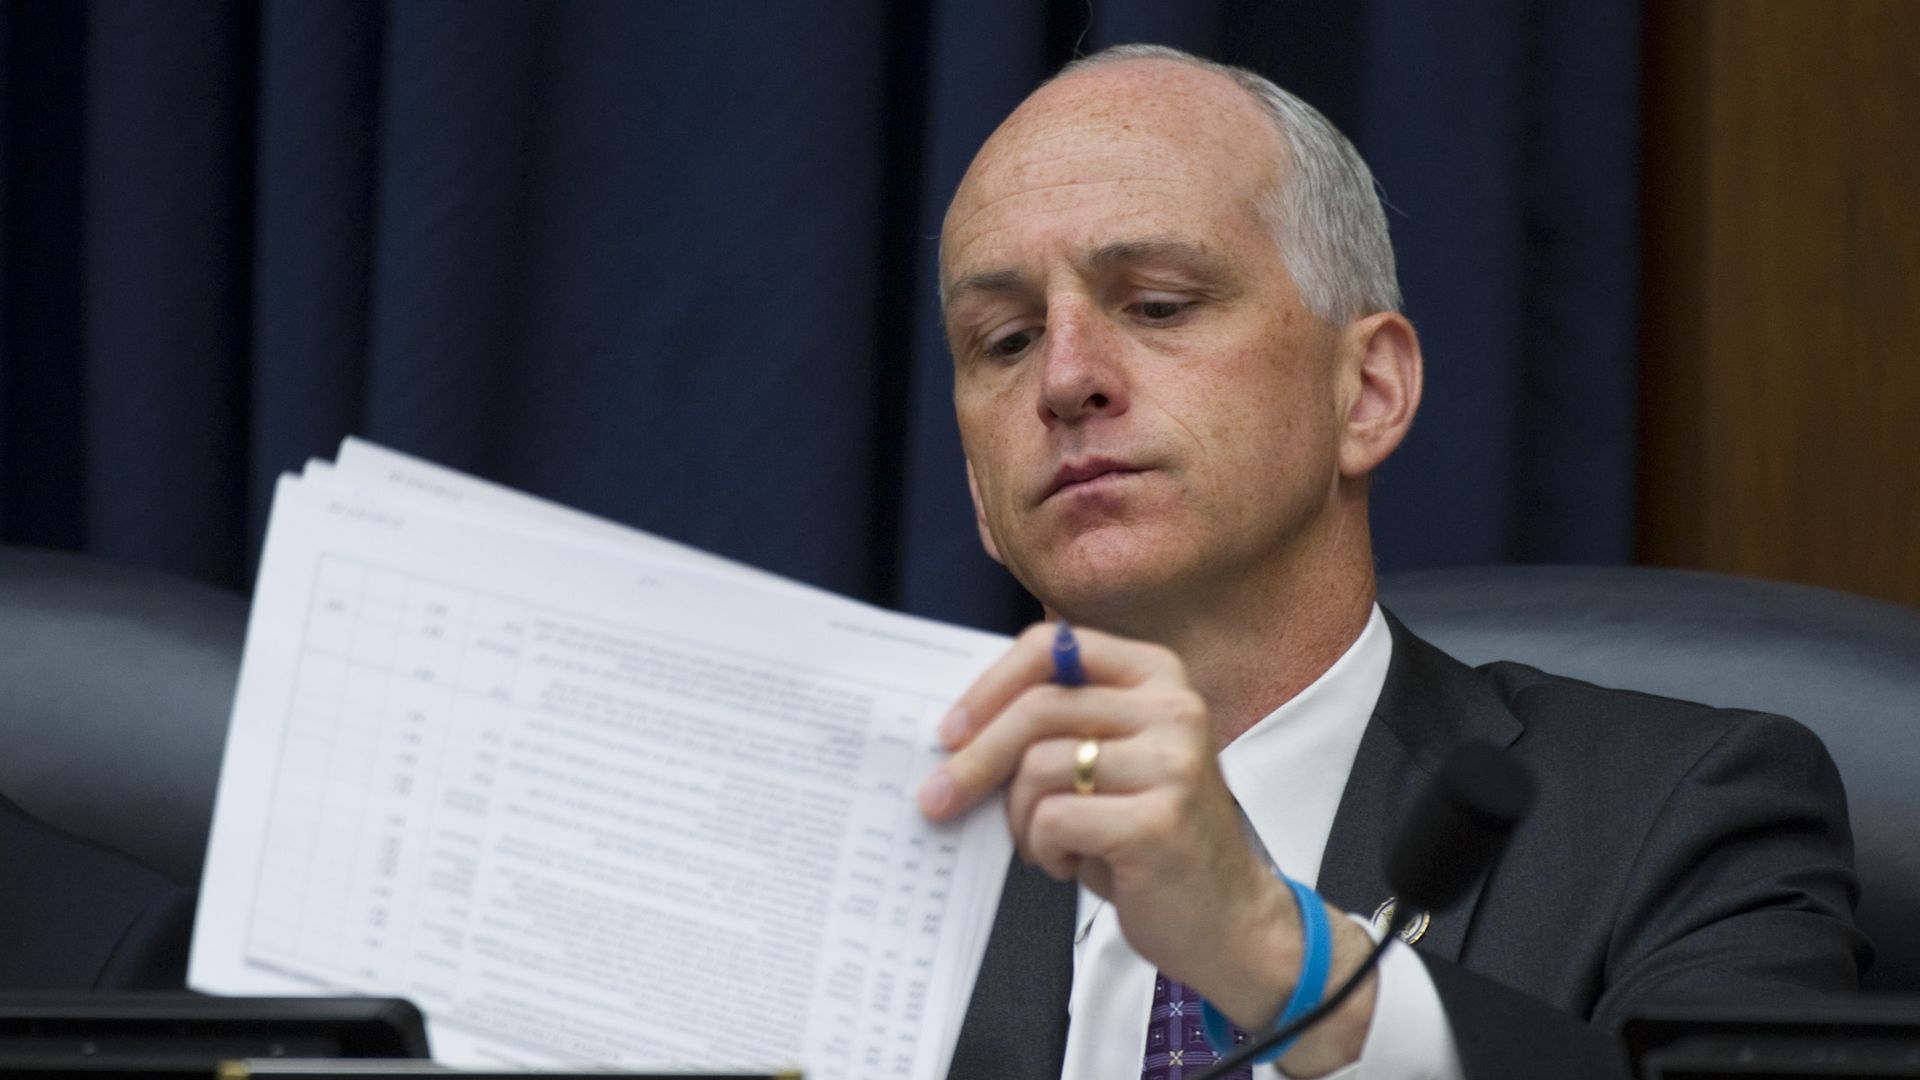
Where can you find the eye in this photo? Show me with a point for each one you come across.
(1159, 309)
(1012, 344)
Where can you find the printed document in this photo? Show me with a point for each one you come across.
(587, 796)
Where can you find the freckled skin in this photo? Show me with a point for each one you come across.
(1234, 410)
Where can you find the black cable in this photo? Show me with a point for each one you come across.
(1456, 827)
(1254, 1047)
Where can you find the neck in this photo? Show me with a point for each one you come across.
(1247, 667)
(1249, 646)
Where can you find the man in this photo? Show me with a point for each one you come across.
(1178, 358)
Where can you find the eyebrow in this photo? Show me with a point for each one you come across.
(988, 281)
(1148, 248)
(1104, 257)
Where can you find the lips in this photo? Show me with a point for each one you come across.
(1077, 473)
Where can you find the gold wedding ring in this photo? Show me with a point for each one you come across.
(1084, 757)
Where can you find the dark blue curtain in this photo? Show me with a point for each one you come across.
(673, 263)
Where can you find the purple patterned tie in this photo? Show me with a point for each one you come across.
(1176, 1045)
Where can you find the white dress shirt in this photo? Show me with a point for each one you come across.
(1287, 771)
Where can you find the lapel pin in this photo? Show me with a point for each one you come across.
(1410, 933)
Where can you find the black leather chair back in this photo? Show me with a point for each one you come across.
(115, 687)
(1846, 666)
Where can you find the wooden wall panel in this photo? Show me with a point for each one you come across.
(1781, 411)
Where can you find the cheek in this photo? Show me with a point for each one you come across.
(1236, 406)
(988, 417)
(991, 459)
(1261, 416)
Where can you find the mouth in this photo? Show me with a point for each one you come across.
(1086, 475)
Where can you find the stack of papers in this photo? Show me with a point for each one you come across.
(587, 796)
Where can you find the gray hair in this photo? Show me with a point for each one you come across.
(1325, 218)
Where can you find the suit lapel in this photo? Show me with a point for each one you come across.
(1430, 704)
(1016, 1023)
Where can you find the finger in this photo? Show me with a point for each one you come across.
(1034, 780)
(1105, 660)
(1029, 662)
(1120, 766)
(1154, 838)
(992, 758)
(1155, 757)
(1057, 862)
(1046, 770)
(1073, 833)
(1044, 712)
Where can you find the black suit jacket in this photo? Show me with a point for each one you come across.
(75, 916)
(1673, 850)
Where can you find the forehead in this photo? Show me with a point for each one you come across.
(1131, 148)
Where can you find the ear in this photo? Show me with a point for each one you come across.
(1380, 384)
(980, 518)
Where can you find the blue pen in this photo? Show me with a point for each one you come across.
(1066, 658)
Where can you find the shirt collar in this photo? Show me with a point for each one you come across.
(1289, 770)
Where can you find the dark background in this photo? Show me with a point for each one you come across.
(673, 263)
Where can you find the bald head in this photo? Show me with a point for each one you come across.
(1120, 141)
(1313, 193)
(1122, 132)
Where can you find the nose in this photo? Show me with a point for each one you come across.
(1082, 376)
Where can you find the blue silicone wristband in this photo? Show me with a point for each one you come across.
(1315, 965)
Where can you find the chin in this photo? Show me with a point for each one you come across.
(1099, 586)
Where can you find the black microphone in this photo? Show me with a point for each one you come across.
(1458, 825)
(1455, 830)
